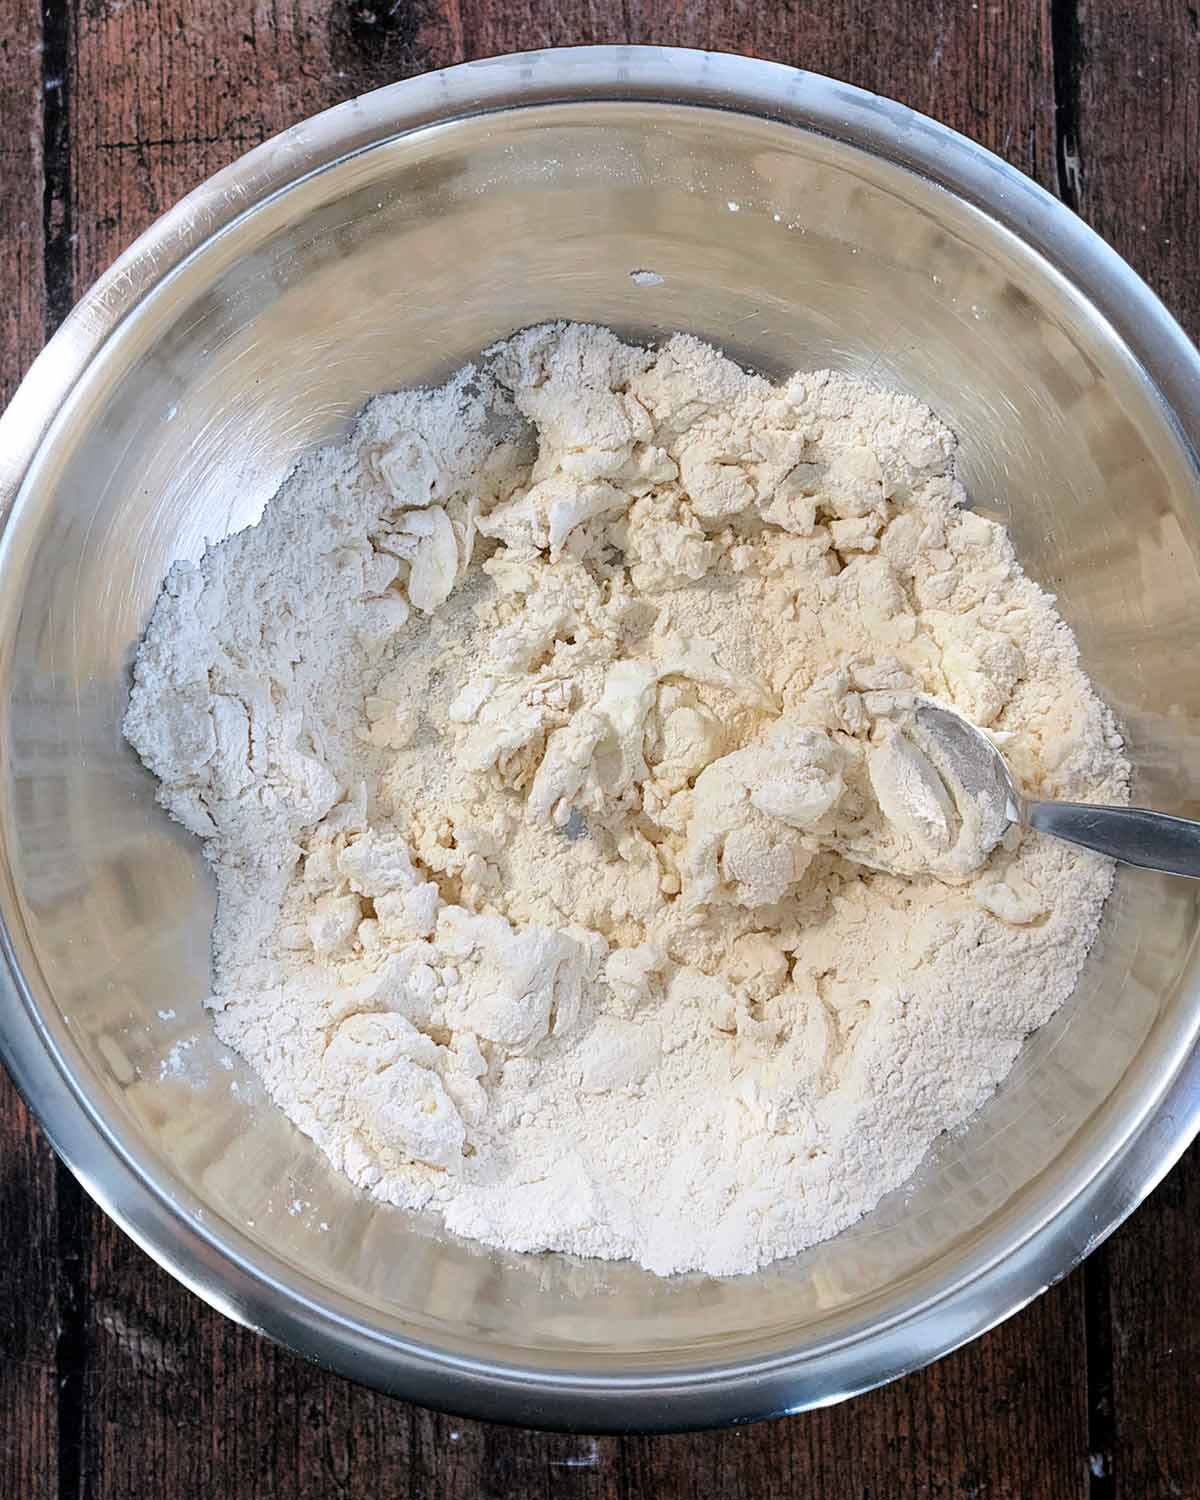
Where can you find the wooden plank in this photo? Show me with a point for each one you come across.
(28, 1304)
(1133, 125)
(181, 1399)
(985, 1421)
(177, 1399)
(1130, 86)
(986, 70)
(164, 93)
(21, 96)
(28, 1221)
(1148, 1443)
(167, 91)
(158, 104)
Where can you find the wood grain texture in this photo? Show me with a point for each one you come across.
(28, 1173)
(1131, 96)
(1133, 106)
(1154, 1337)
(985, 69)
(115, 1382)
(166, 91)
(28, 1312)
(225, 1413)
(22, 90)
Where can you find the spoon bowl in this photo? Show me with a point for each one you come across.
(1133, 835)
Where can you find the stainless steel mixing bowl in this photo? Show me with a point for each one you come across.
(796, 222)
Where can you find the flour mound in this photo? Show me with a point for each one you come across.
(582, 872)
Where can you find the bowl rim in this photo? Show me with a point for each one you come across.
(236, 1275)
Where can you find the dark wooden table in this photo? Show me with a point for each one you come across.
(114, 1381)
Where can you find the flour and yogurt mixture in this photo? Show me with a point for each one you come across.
(583, 874)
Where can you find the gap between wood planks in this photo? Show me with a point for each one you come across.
(72, 1282)
(1068, 60)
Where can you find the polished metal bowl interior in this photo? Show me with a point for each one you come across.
(796, 223)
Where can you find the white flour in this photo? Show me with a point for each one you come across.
(582, 875)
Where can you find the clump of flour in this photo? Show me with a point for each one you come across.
(582, 872)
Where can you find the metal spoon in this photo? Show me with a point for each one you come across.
(1134, 835)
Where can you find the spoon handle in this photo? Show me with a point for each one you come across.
(1134, 835)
